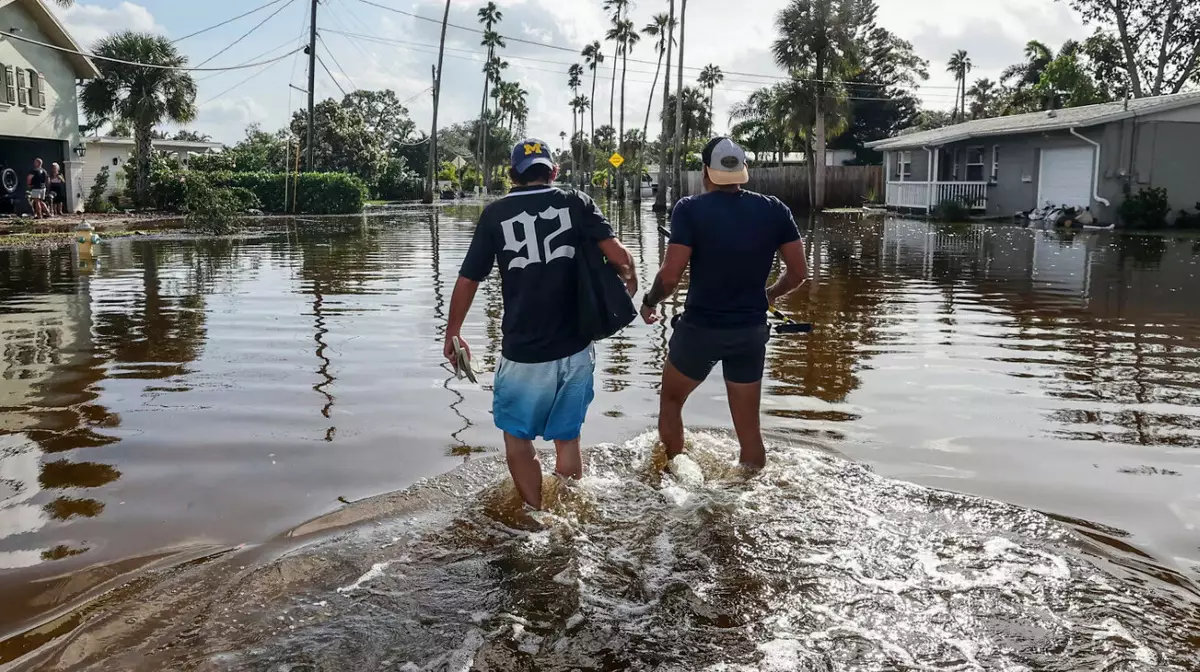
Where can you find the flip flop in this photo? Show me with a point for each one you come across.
(462, 362)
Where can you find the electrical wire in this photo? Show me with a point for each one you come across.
(154, 66)
(254, 58)
(345, 73)
(331, 77)
(634, 60)
(226, 22)
(265, 68)
(248, 33)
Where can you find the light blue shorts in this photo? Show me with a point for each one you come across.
(547, 399)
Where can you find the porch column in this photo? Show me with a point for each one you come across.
(73, 181)
(929, 181)
(933, 177)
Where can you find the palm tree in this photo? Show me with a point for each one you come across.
(661, 26)
(660, 198)
(625, 36)
(64, 3)
(574, 81)
(694, 120)
(759, 127)
(489, 15)
(140, 96)
(960, 66)
(818, 37)
(579, 104)
(983, 95)
(593, 56)
(676, 163)
(617, 7)
(710, 77)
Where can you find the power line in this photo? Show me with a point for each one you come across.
(247, 33)
(251, 59)
(345, 72)
(331, 77)
(154, 66)
(634, 60)
(265, 68)
(226, 22)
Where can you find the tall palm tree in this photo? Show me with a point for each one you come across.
(625, 35)
(676, 163)
(660, 198)
(662, 27)
(618, 8)
(960, 66)
(489, 15)
(694, 118)
(140, 96)
(983, 98)
(593, 55)
(574, 81)
(579, 104)
(818, 37)
(759, 126)
(710, 77)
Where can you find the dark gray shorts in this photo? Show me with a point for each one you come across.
(694, 351)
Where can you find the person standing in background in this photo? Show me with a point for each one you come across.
(36, 189)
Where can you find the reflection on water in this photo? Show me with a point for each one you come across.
(185, 395)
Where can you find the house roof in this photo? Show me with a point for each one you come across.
(1037, 122)
(58, 36)
(160, 143)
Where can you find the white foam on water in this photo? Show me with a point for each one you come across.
(1112, 629)
(686, 471)
(373, 573)
(463, 658)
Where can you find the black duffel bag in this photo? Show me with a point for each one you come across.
(604, 305)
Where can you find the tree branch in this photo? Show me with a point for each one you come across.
(1168, 29)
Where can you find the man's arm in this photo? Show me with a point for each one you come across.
(795, 273)
(619, 256)
(667, 280)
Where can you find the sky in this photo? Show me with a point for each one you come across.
(366, 46)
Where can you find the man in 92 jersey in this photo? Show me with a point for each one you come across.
(544, 381)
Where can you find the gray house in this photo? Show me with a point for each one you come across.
(1082, 157)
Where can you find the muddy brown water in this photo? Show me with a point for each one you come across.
(986, 455)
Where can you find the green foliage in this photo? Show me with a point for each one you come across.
(211, 210)
(96, 201)
(952, 210)
(247, 200)
(315, 193)
(213, 162)
(1187, 219)
(343, 141)
(160, 162)
(398, 183)
(1145, 210)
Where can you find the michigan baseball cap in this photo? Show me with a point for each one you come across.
(530, 152)
(726, 162)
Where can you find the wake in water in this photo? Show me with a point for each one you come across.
(815, 563)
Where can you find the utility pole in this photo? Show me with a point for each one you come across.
(437, 98)
(312, 80)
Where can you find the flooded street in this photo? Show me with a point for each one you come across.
(249, 454)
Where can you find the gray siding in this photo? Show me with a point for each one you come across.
(1172, 161)
(920, 166)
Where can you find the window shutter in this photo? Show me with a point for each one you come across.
(41, 91)
(22, 91)
(10, 85)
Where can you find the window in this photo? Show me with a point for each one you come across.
(975, 164)
(8, 88)
(116, 161)
(995, 162)
(904, 165)
(22, 88)
(41, 91)
(32, 93)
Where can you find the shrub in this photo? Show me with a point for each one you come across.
(211, 210)
(212, 162)
(247, 200)
(317, 193)
(952, 210)
(1147, 209)
(96, 201)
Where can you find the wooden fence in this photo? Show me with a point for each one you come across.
(845, 186)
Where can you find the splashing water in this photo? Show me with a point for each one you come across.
(814, 563)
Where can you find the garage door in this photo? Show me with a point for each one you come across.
(1066, 177)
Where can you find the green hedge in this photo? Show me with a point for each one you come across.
(314, 193)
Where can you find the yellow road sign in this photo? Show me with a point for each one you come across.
(616, 160)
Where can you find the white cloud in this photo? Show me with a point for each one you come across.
(226, 118)
(88, 23)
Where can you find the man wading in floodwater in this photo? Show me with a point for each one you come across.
(730, 237)
(543, 383)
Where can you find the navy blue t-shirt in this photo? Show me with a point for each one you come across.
(734, 237)
(532, 234)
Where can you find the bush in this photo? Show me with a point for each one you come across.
(952, 210)
(211, 210)
(96, 201)
(247, 200)
(1145, 210)
(318, 193)
(212, 162)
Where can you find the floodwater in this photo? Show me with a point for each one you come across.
(247, 455)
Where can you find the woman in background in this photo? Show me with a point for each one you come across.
(58, 190)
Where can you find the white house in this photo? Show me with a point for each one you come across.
(833, 157)
(114, 153)
(39, 108)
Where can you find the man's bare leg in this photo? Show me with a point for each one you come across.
(569, 459)
(676, 388)
(744, 400)
(525, 468)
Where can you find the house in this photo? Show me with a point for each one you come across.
(1082, 157)
(39, 108)
(833, 157)
(114, 153)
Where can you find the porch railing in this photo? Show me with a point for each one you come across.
(927, 195)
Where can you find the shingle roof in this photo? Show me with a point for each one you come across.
(1080, 117)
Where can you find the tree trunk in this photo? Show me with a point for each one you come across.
(143, 146)
(660, 198)
(592, 144)
(812, 171)
(483, 131)
(612, 89)
(621, 131)
(574, 154)
(818, 202)
(1130, 50)
(676, 163)
(637, 194)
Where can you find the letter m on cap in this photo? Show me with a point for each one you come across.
(535, 148)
